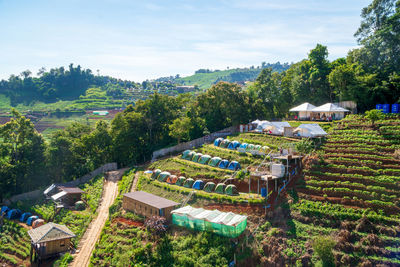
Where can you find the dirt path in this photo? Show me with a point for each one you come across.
(92, 234)
(135, 181)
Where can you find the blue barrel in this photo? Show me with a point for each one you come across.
(379, 106)
(395, 108)
(386, 108)
(263, 191)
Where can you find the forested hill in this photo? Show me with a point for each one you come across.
(205, 78)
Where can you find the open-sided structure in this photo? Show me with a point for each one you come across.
(227, 224)
(309, 130)
(304, 110)
(276, 127)
(328, 110)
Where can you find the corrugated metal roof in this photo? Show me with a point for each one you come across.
(58, 195)
(150, 199)
(72, 190)
(50, 232)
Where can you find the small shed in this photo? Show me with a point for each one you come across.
(276, 127)
(50, 240)
(148, 205)
(68, 195)
(327, 111)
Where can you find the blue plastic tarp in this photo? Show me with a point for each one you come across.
(218, 141)
(13, 214)
(223, 164)
(25, 216)
(234, 165)
(31, 220)
(199, 185)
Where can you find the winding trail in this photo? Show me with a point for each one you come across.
(92, 234)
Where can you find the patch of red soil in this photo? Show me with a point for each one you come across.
(128, 222)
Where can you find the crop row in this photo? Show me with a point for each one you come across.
(331, 156)
(345, 191)
(348, 143)
(364, 169)
(352, 139)
(383, 180)
(340, 212)
(347, 184)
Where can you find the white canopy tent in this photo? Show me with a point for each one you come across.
(310, 130)
(329, 109)
(276, 127)
(304, 110)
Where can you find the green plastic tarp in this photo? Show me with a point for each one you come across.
(181, 181)
(209, 187)
(188, 183)
(220, 189)
(204, 159)
(155, 174)
(231, 190)
(214, 161)
(163, 176)
(197, 157)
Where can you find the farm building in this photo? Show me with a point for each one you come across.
(222, 223)
(49, 240)
(68, 195)
(148, 205)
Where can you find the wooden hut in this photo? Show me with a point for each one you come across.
(68, 195)
(148, 205)
(50, 240)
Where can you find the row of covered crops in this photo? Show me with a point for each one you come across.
(211, 161)
(25, 217)
(209, 187)
(241, 147)
(222, 223)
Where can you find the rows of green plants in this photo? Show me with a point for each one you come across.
(274, 142)
(124, 186)
(383, 180)
(314, 181)
(361, 147)
(243, 198)
(340, 212)
(14, 240)
(345, 168)
(351, 139)
(331, 157)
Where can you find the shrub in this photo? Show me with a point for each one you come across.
(305, 146)
(374, 115)
(323, 246)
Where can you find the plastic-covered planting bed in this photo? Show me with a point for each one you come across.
(227, 224)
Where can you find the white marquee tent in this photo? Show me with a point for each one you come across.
(309, 130)
(304, 110)
(330, 109)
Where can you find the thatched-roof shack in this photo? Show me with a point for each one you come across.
(49, 240)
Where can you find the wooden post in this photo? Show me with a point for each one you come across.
(258, 186)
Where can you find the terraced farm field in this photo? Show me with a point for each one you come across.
(351, 191)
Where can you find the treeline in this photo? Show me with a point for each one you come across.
(58, 84)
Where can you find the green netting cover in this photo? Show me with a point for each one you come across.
(155, 174)
(214, 161)
(181, 181)
(220, 189)
(197, 157)
(231, 190)
(188, 183)
(222, 223)
(209, 187)
(185, 154)
(163, 176)
(250, 147)
(204, 159)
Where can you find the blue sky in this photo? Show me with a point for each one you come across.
(146, 39)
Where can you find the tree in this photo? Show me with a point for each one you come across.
(180, 129)
(21, 155)
(374, 115)
(323, 246)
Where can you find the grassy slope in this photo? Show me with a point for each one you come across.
(206, 80)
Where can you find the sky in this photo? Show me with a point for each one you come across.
(139, 40)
